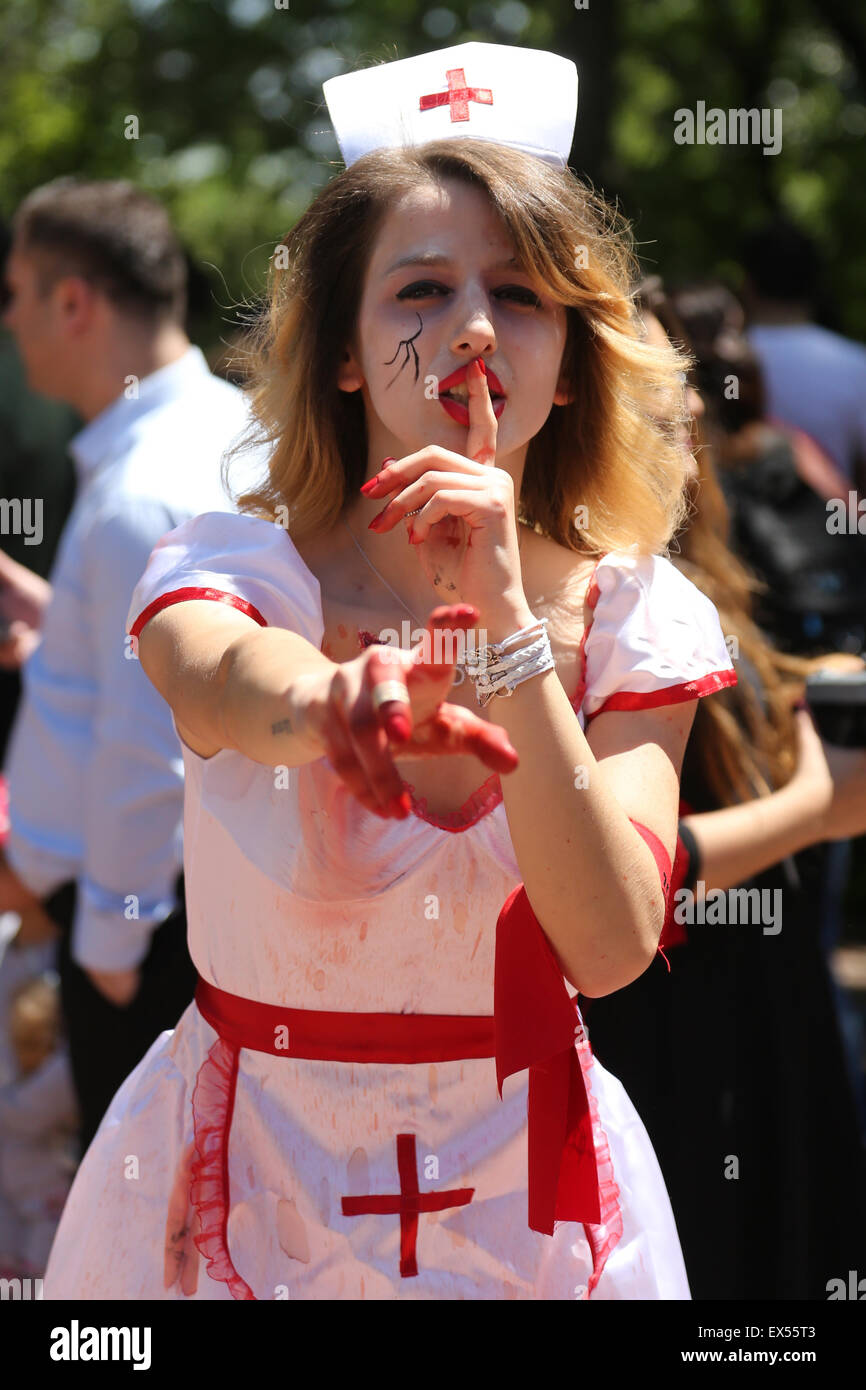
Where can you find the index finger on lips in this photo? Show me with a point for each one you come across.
(483, 425)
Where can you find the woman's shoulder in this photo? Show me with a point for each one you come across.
(575, 577)
(555, 576)
(655, 637)
(227, 528)
(228, 538)
(655, 578)
(228, 556)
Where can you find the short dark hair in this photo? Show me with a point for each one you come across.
(111, 234)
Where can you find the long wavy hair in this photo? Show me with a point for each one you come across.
(743, 741)
(608, 451)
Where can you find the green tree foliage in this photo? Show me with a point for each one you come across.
(232, 131)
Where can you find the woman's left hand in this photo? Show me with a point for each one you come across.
(466, 532)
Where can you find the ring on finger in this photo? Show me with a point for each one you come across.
(389, 690)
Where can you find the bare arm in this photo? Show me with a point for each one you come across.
(227, 680)
(741, 841)
(824, 800)
(272, 696)
(589, 875)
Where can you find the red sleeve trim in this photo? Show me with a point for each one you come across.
(181, 595)
(671, 695)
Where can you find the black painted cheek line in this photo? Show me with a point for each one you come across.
(408, 343)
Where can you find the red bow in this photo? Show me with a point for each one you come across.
(535, 1021)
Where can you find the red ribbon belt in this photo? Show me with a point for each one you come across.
(319, 1035)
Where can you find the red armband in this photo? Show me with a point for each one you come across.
(666, 873)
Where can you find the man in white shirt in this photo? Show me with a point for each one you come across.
(97, 282)
(815, 380)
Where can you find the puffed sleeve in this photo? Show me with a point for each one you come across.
(654, 639)
(231, 558)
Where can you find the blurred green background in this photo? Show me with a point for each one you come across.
(234, 137)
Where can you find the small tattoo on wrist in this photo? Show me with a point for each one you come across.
(282, 726)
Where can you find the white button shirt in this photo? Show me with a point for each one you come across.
(94, 765)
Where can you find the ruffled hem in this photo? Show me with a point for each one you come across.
(605, 1235)
(212, 1107)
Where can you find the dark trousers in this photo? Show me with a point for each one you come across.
(107, 1041)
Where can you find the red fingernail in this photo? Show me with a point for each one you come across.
(388, 460)
(376, 519)
(480, 364)
(398, 728)
(368, 486)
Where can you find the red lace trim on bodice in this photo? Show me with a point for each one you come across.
(483, 800)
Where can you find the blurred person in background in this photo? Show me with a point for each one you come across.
(96, 284)
(34, 464)
(777, 482)
(733, 1058)
(816, 379)
(810, 575)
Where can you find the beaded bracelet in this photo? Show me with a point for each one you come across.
(497, 671)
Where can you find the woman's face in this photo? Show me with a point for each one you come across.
(439, 292)
(656, 335)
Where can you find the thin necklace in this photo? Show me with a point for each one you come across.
(401, 601)
(366, 557)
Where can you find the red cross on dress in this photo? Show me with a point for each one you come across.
(458, 96)
(408, 1202)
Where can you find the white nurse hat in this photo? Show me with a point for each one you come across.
(522, 97)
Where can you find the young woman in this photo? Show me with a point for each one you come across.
(391, 883)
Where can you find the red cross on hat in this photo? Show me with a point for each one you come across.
(458, 96)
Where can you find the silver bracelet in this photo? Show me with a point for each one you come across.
(496, 671)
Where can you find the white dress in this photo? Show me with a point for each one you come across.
(343, 1135)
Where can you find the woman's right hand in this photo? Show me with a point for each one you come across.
(832, 781)
(24, 597)
(335, 709)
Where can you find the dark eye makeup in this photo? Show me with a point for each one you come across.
(519, 293)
